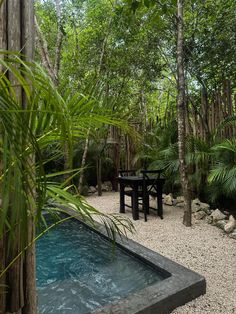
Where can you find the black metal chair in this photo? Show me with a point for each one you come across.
(152, 186)
(127, 192)
(124, 173)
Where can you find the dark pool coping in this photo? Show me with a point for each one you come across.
(180, 285)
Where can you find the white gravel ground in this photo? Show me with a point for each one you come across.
(202, 248)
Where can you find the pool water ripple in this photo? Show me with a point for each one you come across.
(77, 271)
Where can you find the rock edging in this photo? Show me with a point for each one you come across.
(215, 217)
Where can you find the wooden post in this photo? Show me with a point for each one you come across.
(17, 35)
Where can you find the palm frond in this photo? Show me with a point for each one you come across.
(46, 118)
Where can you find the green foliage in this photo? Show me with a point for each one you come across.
(212, 167)
(160, 151)
(129, 47)
(223, 172)
(103, 44)
(44, 118)
(210, 39)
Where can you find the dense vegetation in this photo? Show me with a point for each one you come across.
(121, 84)
(124, 53)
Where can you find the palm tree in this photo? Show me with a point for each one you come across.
(33, 115)
(25, 132)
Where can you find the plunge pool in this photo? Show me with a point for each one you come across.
(78, 272)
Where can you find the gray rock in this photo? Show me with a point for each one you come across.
(207, 211)
(209, 219)
(199, 215)
(217, 215)
(85, 190)
(174, 202)
(195, 205)
(231, 225)
(180, 204)
(233, 235)
(92, 190)
(221, 224)
(107, 186)
(204, 206)
(196, 201)
(180, 199)
(226, 212)
(104, 188)
(168, 199)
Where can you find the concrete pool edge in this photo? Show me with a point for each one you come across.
(180, 286)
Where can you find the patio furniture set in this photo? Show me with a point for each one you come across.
(141, 187)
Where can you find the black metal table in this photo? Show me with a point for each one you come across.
(135, 182)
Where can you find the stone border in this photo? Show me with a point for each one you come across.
(180, 285)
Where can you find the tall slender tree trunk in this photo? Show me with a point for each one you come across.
(128, 154)
(181, 103)
(3, 45)
(52, 67)
(3, 287)
(116, 152)
(98, 71)
(17, 34)
(45, 58)
(83, 162)
(59, 40)
(99, 175)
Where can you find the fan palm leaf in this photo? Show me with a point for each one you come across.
(223, 172)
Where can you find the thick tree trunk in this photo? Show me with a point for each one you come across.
(3, 287)
(29, 275)
(15, 284)
(14, 279)
(181, 116)
(17, 34)
(30, 272)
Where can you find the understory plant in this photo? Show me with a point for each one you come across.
(222, 176)
(211, 163)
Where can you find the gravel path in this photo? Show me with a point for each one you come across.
(202, 248)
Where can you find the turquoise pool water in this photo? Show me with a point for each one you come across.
(77, 271)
